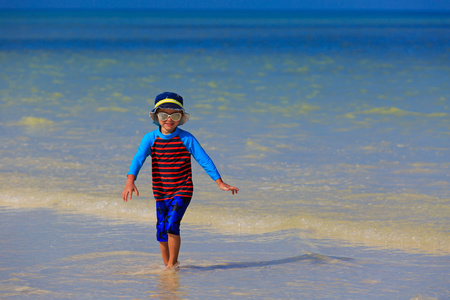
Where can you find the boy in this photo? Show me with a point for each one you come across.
(171, 149)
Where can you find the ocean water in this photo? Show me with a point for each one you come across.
(335, 127)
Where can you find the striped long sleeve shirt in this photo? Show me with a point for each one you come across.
(171, 162)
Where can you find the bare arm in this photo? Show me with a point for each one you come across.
(129, 188)
(226, 187)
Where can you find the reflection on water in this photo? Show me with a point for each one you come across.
(168, 286)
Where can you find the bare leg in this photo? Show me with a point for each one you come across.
(174, 249)
(170, 250)
(164, 246)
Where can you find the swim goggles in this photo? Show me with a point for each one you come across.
(175, 116)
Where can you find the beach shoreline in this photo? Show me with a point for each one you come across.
(53, 255)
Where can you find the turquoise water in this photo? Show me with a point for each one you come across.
(335, 127)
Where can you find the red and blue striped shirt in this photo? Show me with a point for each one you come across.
(171, 162)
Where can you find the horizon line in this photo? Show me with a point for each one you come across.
(229, 9)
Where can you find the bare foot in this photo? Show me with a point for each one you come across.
(175, 267)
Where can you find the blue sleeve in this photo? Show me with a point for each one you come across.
(142, 153)
(199, 154)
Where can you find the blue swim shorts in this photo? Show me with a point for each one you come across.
(169, 214)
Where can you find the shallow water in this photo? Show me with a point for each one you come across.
(72, 256)
(335, 127)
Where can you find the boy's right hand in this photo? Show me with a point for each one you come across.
(130, 187)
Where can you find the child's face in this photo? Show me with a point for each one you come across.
(168, 126)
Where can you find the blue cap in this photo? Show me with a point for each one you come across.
(169, 100)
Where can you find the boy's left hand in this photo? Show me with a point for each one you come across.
(226, 187)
